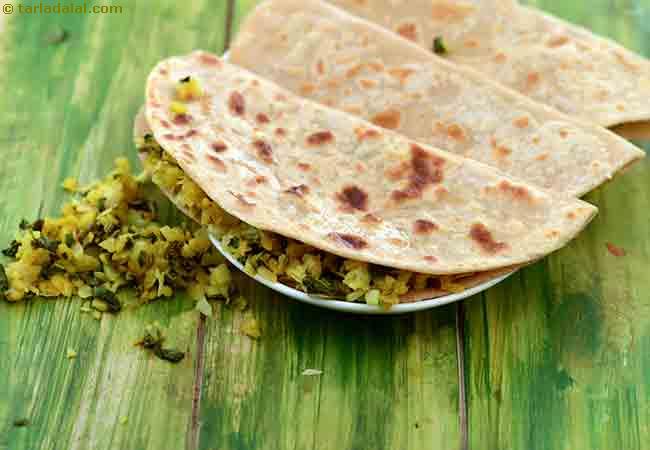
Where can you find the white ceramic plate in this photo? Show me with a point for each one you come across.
(360, 308)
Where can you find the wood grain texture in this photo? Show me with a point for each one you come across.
(67, 110)
(557, 357)
(386, 382)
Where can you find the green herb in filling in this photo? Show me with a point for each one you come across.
(439, 47)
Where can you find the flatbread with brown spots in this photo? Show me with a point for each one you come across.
(548, 59)
(325, 54)
(343, 185)
(461, 281)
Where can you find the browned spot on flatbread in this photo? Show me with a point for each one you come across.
(165, 124)
(182, 119)
(169, 137)
(376, 66)
(209, 60)
(300, 190)
(542, 157)
(348, 240)
(557, 41)
(408, 31)
(614, 250)
(483, 237)
(353, 198)
(163, 71)
(355, 110)
(449, 11)
(320, 138)
(262, 118)
(371, 219)
(455, 132)
(471, 43)
(564, 134)
(389, 119)
(430, 259)
(280, 132)
(368, 84)
(320, 67)
(191, 133)
(500, 57)
(307, 89)
(517, 192)
(401, 74)
(425, 169)
(366, 133)
(353, 71)
(627, 63)
(304, 167)
(521, 122)
(216, 163)
(532, 79)
(260, 179)
(422, 226)
(219, 146)
(264, 151)
(501, 151)
(237, 104)
(241, 199)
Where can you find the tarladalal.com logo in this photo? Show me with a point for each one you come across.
(61, 8)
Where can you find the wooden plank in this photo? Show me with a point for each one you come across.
(67, 111)
(386, 382)
(558, 356)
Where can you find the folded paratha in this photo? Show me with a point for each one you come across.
(286, 165)
(182, 192)
(539, 55)
(328, 55)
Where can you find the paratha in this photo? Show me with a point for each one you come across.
(284, 164)
(330, 56)
(537, 54)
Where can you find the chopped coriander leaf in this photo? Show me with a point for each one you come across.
(169, 354)
(153, 340)
(12, 249)
(439, 47)
(108, 297)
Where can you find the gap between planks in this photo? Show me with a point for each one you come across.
(197, 388)
(460, 356)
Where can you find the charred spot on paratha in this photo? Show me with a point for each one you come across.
(389, 119)
(237, 104)
(300, 190)
(264, 151)
(320, 138)
(353, 198)
(216, 163)
(262, 118)
(219, 146)
(425, 169)
(423, 226)
(483, 237)
(348, 240)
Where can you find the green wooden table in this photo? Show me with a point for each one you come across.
(556, 357)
